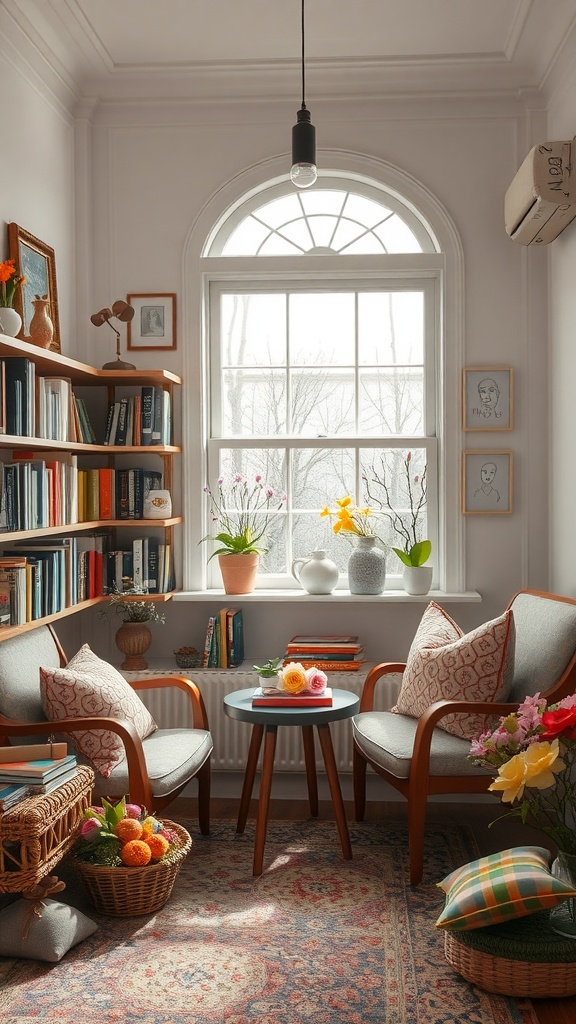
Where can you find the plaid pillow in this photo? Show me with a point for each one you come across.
(496, 888)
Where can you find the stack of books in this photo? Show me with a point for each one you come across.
(335, 653)
(224, 643)
(271, 697)
(24, 773)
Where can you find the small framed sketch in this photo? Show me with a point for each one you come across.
(154, 323)
(35, 261)
(487, 398)
(486, 482)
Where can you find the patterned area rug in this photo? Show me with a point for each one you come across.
(314, 940)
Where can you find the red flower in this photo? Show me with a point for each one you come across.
(561, 722)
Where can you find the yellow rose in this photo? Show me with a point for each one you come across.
(293, 678)
(542, 760)
(511, 779)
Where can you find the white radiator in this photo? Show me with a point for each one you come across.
(169, 708)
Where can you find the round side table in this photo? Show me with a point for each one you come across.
(265, 722)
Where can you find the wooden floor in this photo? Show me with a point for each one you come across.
(549, 1011)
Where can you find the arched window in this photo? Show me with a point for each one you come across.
(323, 319)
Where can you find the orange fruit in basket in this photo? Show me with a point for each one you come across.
(136, 853)
(158, 845)
(127, 829)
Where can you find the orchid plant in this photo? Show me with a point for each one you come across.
(533, 754)
(242, 511)
(10, 280)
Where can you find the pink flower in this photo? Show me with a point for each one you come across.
(133, 810)
(316, 680)
(90, 829)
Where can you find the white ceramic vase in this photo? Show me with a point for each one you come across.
(417, 579)
(316, 573)
(367, 567)
(10, 321)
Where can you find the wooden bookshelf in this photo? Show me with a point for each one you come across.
(53, 364)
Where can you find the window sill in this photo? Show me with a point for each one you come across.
(337, 597)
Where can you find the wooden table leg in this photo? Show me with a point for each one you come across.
(335, 791)
(249, 776)
(264, 799)
(310, 762)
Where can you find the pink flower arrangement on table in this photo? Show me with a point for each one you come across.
(295, 679)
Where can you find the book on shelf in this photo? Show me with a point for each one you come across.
(32, 751)
(271, 697)
(327, 644)
(309, 657)
(224, 642)
(327, 666)
(38, 772)
(12, 794)
(20, 385)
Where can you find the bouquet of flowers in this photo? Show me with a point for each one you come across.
(10, 280)
(121, 835)
(350, 518)
(293, 678)
(532, 753)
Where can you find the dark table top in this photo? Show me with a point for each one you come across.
(238, 705)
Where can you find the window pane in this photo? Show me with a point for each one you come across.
(321, 329)
(365, 211)
(397, 236)
(322, 402)
(280, 211)
(391, 328)
(246, 238)
(319, 477)
(391, 402)
(253, 330)
(311, 533)
(323, 200)
(253, 402)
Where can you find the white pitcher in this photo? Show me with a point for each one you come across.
(317, 573)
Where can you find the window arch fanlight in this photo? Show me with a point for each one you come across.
(340, 216)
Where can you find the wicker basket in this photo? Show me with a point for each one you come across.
(523, 958)
(188, 661)
(132, 891)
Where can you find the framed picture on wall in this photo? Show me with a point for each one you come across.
(487, 398)
(154, 322)
(486, 482)
(35, 261)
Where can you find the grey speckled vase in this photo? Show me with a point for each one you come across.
(367, 567)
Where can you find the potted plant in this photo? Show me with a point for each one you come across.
(241, 512)
(367, 562)
(133, 637)
(10, 281)
(415, 551)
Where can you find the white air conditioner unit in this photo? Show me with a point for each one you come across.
(541, 201)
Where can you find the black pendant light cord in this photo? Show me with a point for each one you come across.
(303, 64)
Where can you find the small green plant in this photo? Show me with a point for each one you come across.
(241, 512)
(131, 611)
(270, 668)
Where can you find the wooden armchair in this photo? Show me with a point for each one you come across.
(155, 769)
(418, 759)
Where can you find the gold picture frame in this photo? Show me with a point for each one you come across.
(487, 398)
(35, 260)
(487, 482)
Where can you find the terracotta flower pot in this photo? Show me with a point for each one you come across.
(133, 639)
(239, 572)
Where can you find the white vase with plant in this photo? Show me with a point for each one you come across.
(10, 281)
(241, 512)
(367, 562)
(133, 638)
(415, 551)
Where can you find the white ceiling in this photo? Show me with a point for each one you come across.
(114, 48)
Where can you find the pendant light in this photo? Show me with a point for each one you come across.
(303, 172)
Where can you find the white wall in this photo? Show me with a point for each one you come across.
(563, 370)
(140, 178)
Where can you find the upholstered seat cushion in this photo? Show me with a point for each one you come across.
(172, 756)
(388, 739)
(445, 664)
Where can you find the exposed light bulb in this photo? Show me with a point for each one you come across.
(303, 175)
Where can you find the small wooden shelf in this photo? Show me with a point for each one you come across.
(7, 537)
(47, 444)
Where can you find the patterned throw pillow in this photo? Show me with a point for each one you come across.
(89, 686)
(445, 664)
(496, 888)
